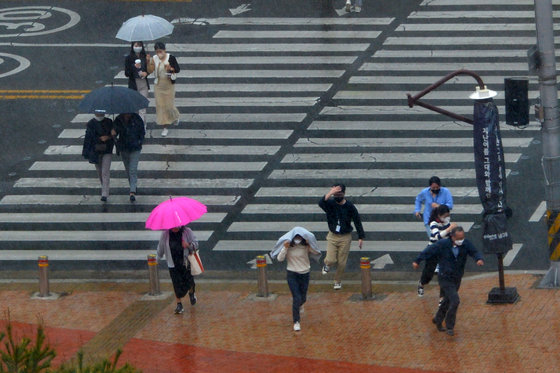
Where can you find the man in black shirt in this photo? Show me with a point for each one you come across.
(340, 213)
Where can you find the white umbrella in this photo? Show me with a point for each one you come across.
(144, 28)
(303, 233)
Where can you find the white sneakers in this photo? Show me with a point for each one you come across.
(164, 132)
(325, 269)
(297, 327)
(337, 286)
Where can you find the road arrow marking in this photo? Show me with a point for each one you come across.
(382, 261)
(253, 262)
(240, 9)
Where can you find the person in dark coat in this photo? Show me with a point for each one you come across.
(452, 256)
(98, 148)
(130, 132)
(137, 73)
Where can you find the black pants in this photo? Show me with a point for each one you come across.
(298, 284)
(450, 303)
(182, 279)
(428, 271)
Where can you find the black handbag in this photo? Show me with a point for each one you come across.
(99, 148)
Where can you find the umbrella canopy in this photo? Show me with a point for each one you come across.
(175, 212)
(113, 100)
(305, 234)
(144, 28)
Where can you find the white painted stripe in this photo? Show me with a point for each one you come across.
(88, 200)
(220, 117)
(321, 227)
(296, 34)
(254, 74)
(435, 95)
(442, 27)
(373, 158)
(262, 60)
(178, 149)
(94, 217)
(451, 53)
(77, 255)
(117, 165)
(431, 142)
(510, 256)
(234, 87)
(241, 101)
(267, 47)
(444, 66)
(87, 183)
(337, 125)
(430, 79)
(276, 21)
(179, 133)
(539, 212)
(408, 192)
(480, 2)
(451, 14)
(89, 235)
(387, 209)
(369, 246)
(464, 40)
(393, 174)
(347, 110)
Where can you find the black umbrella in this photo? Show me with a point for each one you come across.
(113, 100)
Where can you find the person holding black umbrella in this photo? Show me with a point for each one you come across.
(136, 70)
(452, 256)
(98, 148)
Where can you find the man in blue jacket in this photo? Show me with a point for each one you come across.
(431, 197)
(452, 255)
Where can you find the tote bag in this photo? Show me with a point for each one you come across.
(196, 264)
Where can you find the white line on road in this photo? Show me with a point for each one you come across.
(87, 183)
(510, 256)
(373, 173)
(337, 125)
(88, 200)
(253, 74)
(262, 60)
(439, 157)
(254, 34)
(78, 255)
(316, 192)
(431, 142)
(444, 66)
(93, 217)
(88, 235)
(200, 134)
(116, 165)
(220, 117)
(321, 227)
(242, 101)
(276, 21)
(178, 149)
(463, 40)
(539, 212)
(385, 209)
(369, 246)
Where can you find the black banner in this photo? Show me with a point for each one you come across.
(491, 176)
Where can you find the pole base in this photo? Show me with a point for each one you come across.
(499, 296)
(551, 279)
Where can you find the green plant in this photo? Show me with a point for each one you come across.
(104, 366)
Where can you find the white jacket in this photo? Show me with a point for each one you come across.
(164, 249)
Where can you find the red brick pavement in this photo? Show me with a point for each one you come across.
(228, 332)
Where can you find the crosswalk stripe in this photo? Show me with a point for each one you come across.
(242, 87)
(346, 110)
(89, 200)
(361, 157)
(178, 149)
(92, 183)
(374, 173)
(88, 235)
(394, 191)
(220, 117)
(260, 60)
(264, 246)
(450, 53)
(336, 34)
(78, 255)
(292, 21)
(384, 209)
(348, 125)
(254, 74)
(200, 134)
(93, 217)
(479, 2)
(430, 142)
(321, 226)
(470, 27)
(242, 101)
(391, 95)
(117, 165)
(427, 80)
(444, 66)
(266, 47)
(465, 40)
(455, 14)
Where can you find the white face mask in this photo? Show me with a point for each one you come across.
(137, 49)
(446, 220)
(297, 241)
(100, 118)
(459, 242)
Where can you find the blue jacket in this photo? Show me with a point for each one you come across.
(425, 198)
(450, 268)
(131, 134)
(95, 129)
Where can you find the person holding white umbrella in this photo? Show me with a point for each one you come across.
(296, 247)
(165, 69)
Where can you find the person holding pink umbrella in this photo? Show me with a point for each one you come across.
(177, 241)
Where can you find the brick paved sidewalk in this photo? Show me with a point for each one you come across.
(228, 332)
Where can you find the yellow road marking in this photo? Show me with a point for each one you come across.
(43, 94)
(44, 91)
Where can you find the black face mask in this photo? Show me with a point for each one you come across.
(338, 199)
(435, 191)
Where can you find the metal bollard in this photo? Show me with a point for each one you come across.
(154, 277)
(365, 266)
(262, 277)
(43, 263)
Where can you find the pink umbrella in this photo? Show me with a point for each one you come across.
(175, 212)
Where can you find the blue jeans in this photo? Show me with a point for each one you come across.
(298, 284)
(130, 161)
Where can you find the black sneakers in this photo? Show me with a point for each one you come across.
(420, 290)
(439, 326)
(179, 309)
(192, 297)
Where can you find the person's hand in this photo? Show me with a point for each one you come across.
(415, 265)
(334, 190)
(286, 244)
(113, 133)
(451, 226)
(480, 262)
(186, 245)
(434, 205)
(104, 138)
(148, 57)
(418, 215)
(143, 74)
(360, 243)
